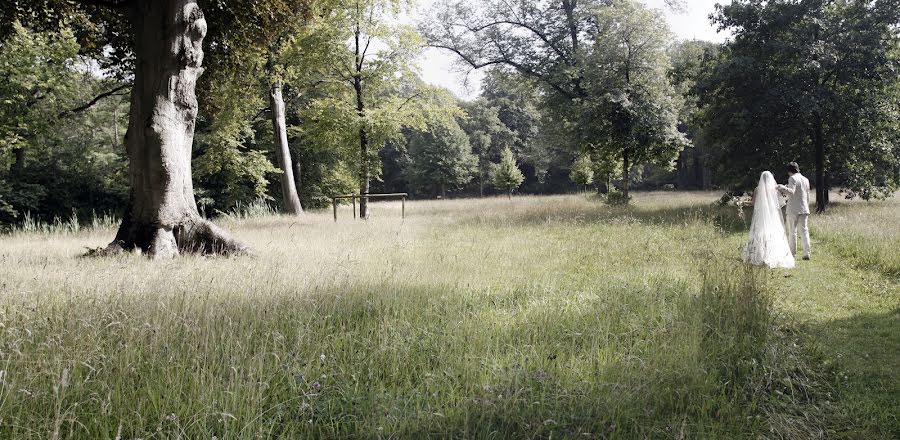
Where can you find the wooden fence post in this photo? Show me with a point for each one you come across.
(353, 198)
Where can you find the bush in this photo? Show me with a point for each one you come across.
(617, 198)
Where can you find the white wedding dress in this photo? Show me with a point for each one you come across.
(768, 245)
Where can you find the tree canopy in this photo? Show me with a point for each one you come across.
(810, 81)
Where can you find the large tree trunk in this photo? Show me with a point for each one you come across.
(162, 218)
(821, 184)
(279, 126)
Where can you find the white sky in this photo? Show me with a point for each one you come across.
(441, 67)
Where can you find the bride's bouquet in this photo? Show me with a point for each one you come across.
(739, 202)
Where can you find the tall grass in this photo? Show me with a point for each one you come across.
(59, 226)
(867, 237)
(529, 318)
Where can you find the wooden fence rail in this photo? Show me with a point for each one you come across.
(353, 197)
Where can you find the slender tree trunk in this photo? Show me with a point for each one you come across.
(363, 152)
(116, 138)
(298, 175)
(19, 164)
(161, 218)
(363, 134)
(626, 172)
(363, 173)
(282, 150)
(569, 8)
(821, 185)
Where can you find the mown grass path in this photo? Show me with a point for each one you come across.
(849, 314)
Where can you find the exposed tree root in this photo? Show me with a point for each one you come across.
(195, 236)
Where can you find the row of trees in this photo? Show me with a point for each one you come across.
(601, 68)
(284, 98)
(321, 97)
(812, 81)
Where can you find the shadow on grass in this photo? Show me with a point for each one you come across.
(419, 360)
(861, 359)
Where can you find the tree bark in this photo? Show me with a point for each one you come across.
(364, 174)
(626, 174)
(161, 218)
(279, 128)
(19, 164)
(569, 8)
(821, 185)
(363, 151)
(298, 175)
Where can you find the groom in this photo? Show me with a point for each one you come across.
(797, 210)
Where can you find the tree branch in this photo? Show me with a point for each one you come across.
(94, 101)
(543, 37)
(416, 95)
(518, 66)
(105, 3)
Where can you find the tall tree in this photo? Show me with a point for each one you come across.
(37, 84)
(487, 137)
(638, 113)
(441, 158)
(689, 59)
(270, 50)
(808, 80)
(160, 41)
(58, 129)
(553, 44)
(375, 91)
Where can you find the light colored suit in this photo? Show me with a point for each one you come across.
(797, 211)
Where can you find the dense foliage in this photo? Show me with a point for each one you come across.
(575, 94)
(56, 158)
(506, 174)
(812, 81)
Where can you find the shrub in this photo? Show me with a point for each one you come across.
(617, 198)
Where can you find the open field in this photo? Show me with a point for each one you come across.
(491, 318)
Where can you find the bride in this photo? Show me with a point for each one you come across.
(768, 245)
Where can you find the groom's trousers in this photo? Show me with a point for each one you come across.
(798, 223)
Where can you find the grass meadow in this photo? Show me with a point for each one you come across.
(535, 317)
